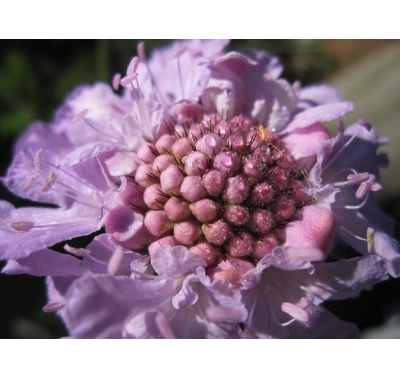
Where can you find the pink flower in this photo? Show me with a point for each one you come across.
(217, 187)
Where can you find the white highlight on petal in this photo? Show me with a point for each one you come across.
(164, 326)
(115, 261)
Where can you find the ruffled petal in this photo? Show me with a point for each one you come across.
(322, 113)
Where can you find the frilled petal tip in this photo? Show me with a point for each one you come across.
(387, 248)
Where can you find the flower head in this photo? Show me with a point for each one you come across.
(220, 194)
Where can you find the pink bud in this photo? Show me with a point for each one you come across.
(264, 246)
(154, 197)
(131, 194)
(142, 175)
(181, 148)
(236, 190)
(237, 142)
(192, 189)
(210, 145)
(165, 143)
(262, 194)
(161, 163)
(254, 140)
(243, 122)
(205, 210)
(283, 209)
(237, 215)
(297, 193)
(217, 233)
(278, 178)
(195, 163)
(240, 245)
(176, 210)
(214, 182)
(145, 153)
(262, 154)
(187, 232)
(253, 168)
(171, 179)
(157, 222)
(227, 163)
(208, 252)
(224, 128)
(261, 221)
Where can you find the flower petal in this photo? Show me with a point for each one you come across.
(322, 113)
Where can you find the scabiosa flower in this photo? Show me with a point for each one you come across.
(218, 191)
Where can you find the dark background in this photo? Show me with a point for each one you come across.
(35, 77)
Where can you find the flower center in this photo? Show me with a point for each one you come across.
(220, 188)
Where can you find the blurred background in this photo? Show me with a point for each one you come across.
(35, 77)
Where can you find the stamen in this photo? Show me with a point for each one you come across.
(79, 116)
(22, 226)
(116, 81)
(115, 261)
(295, 312)
(80, 252)
(50, 180)
(53, 307)
(370, 240)
(127, 80)
(355, 179)
(36, 159)
(142, 52)
(176, 55)
(132, 67)
(31, 180)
